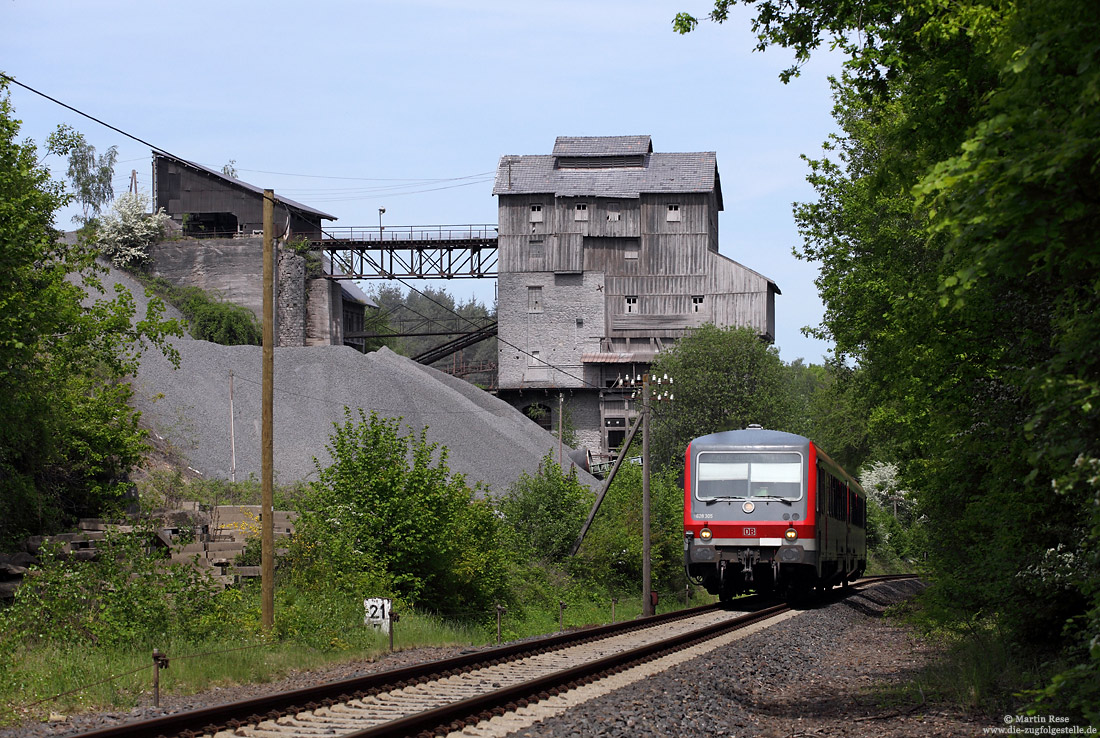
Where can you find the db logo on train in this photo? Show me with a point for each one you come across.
(748, 532)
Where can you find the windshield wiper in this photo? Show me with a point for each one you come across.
(784, 500)
(712, 500)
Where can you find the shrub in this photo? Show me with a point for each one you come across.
(612, 551)
(545, 512)
(208, 318)
(389, 513)
(126, 233)
(127, 596)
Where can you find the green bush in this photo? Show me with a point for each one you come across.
(216, 321)
(128, 596)
(611, 555)
(545, 512)
(389, 514)
(208, 318)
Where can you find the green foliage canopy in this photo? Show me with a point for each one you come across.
(68, 434)
(957, 226)
(723, 378)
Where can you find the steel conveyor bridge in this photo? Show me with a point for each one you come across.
(409, 252)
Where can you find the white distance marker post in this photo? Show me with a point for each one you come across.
(378, 613)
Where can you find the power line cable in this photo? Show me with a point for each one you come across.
(169, 153)
(154, 147)
(424, 180)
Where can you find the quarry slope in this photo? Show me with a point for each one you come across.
(487, 440)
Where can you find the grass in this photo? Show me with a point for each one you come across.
(39, 674)
(87, 676)
(975, 669)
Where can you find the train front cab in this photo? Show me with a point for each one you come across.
(766, 511)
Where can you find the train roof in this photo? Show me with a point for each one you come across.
(752, 437)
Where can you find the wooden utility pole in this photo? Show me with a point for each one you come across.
(232, 434)
(267, 513)
(561, 398)
(647, 574)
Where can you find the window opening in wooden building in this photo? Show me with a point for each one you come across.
(696, 303)
(536, 213)
(631, 303)
(613, 212)
(673, 215)
(580, 212)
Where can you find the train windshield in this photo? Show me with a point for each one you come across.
(744, 475)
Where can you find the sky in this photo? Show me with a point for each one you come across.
(408, 105)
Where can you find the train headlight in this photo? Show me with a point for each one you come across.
(791, 535)
(706, 534)
(748, 506)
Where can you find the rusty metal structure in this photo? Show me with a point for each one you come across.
(410, 252)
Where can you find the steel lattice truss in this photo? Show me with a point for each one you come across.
(410, 252)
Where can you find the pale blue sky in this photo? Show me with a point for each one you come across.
(408, 90)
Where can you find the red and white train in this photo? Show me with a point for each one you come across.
(768, 511)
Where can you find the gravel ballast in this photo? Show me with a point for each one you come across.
(816, 674)
(811, 675)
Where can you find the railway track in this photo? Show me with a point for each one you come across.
(440, 697)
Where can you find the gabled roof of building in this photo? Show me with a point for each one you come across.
(649, 173)
(602, 145)
(244, 185)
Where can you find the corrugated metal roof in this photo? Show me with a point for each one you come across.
(245, 185)
(602, 145)
(687, 172)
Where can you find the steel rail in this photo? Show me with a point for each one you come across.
(455, 715)
(235, 714)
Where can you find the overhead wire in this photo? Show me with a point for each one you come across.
(154, 147)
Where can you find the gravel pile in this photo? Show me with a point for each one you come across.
(488, 440)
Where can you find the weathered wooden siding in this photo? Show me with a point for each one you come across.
(181, 190)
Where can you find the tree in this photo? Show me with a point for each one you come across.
(128, 231)
(956, 227)
(433, 310)
(89, 175)
(724, 379)
(68, 436)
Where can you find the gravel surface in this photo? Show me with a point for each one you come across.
(488, 440)
(812, 675)
(818, 674)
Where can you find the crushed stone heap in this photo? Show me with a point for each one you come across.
(487, 439)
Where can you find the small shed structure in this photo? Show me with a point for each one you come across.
(209, 204)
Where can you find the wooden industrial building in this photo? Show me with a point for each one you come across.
(608, 253)
(206, 203)
(221, 219)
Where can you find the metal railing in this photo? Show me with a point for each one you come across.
(417, 234)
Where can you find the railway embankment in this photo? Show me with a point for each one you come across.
(842, 668)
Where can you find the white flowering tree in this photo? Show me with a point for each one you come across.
(127, 232)
(880, 480)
